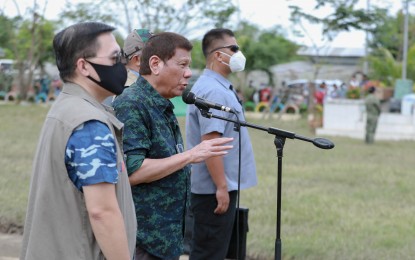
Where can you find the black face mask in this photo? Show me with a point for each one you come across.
(112, 77)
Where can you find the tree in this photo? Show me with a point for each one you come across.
(189, 18)
(32, 47)
(386, 44)
(99, 11)
(270, 48)
(384, 67)
(411, 63)
(6, 32)
(389, 34)
(81, 12)
(345, 16)
(28, 40)
(198, 59)
(262, 50)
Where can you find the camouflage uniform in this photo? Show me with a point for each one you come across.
(151, 130)
(372, 114)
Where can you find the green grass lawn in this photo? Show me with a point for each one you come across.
(352, 202)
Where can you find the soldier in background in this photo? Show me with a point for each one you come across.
(373, 110)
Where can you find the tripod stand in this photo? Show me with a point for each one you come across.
(279, 142)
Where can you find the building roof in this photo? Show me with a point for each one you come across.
(332, 51)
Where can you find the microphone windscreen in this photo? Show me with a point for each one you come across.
(323, 143)
(188, 97)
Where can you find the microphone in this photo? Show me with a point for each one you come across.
(323, 143)
(190, 98)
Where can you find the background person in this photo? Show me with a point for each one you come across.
(80, 204)
(153, 145)
(373, 110)
(215, 181)
(133, 47)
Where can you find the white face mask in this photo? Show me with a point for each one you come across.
(236, 62)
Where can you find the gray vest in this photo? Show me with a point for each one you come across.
(57, 223)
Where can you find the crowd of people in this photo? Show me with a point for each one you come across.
(46, 89)
(111, 176)
(297, 92)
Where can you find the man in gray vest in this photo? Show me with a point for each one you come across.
(80, 203)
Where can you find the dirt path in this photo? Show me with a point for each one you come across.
(10, 247)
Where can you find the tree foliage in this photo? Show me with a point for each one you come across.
(386, 34)
(42, 34)
(386, 44)
(32, 48)
(345, 16)
(389, 34)
(269, 49)
(387, 69)
(198, 59)
(411, 63)
(263, 49)
(266, 49)
(28, 40)
(384, 67)
(187, 18)
(6, 31)
(82, 12)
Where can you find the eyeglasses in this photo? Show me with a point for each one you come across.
(233, 48)
(116, 58)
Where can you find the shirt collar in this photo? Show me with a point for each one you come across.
(222, 80)
(134, 72)
(159, 101)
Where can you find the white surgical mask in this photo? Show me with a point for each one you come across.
(236, 62)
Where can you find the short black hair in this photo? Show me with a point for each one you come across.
(212, 36)
(74, 42)
(162, 45)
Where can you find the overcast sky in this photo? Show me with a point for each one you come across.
(264, 13)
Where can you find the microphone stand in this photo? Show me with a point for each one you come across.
(279, 142)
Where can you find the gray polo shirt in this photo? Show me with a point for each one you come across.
(214, 87)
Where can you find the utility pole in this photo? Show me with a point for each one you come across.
(365, 64)
(238, 4)
(405, 39)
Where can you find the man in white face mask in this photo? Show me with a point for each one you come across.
(214, 182)
(236, 60)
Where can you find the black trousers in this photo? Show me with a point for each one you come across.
(211, 232)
